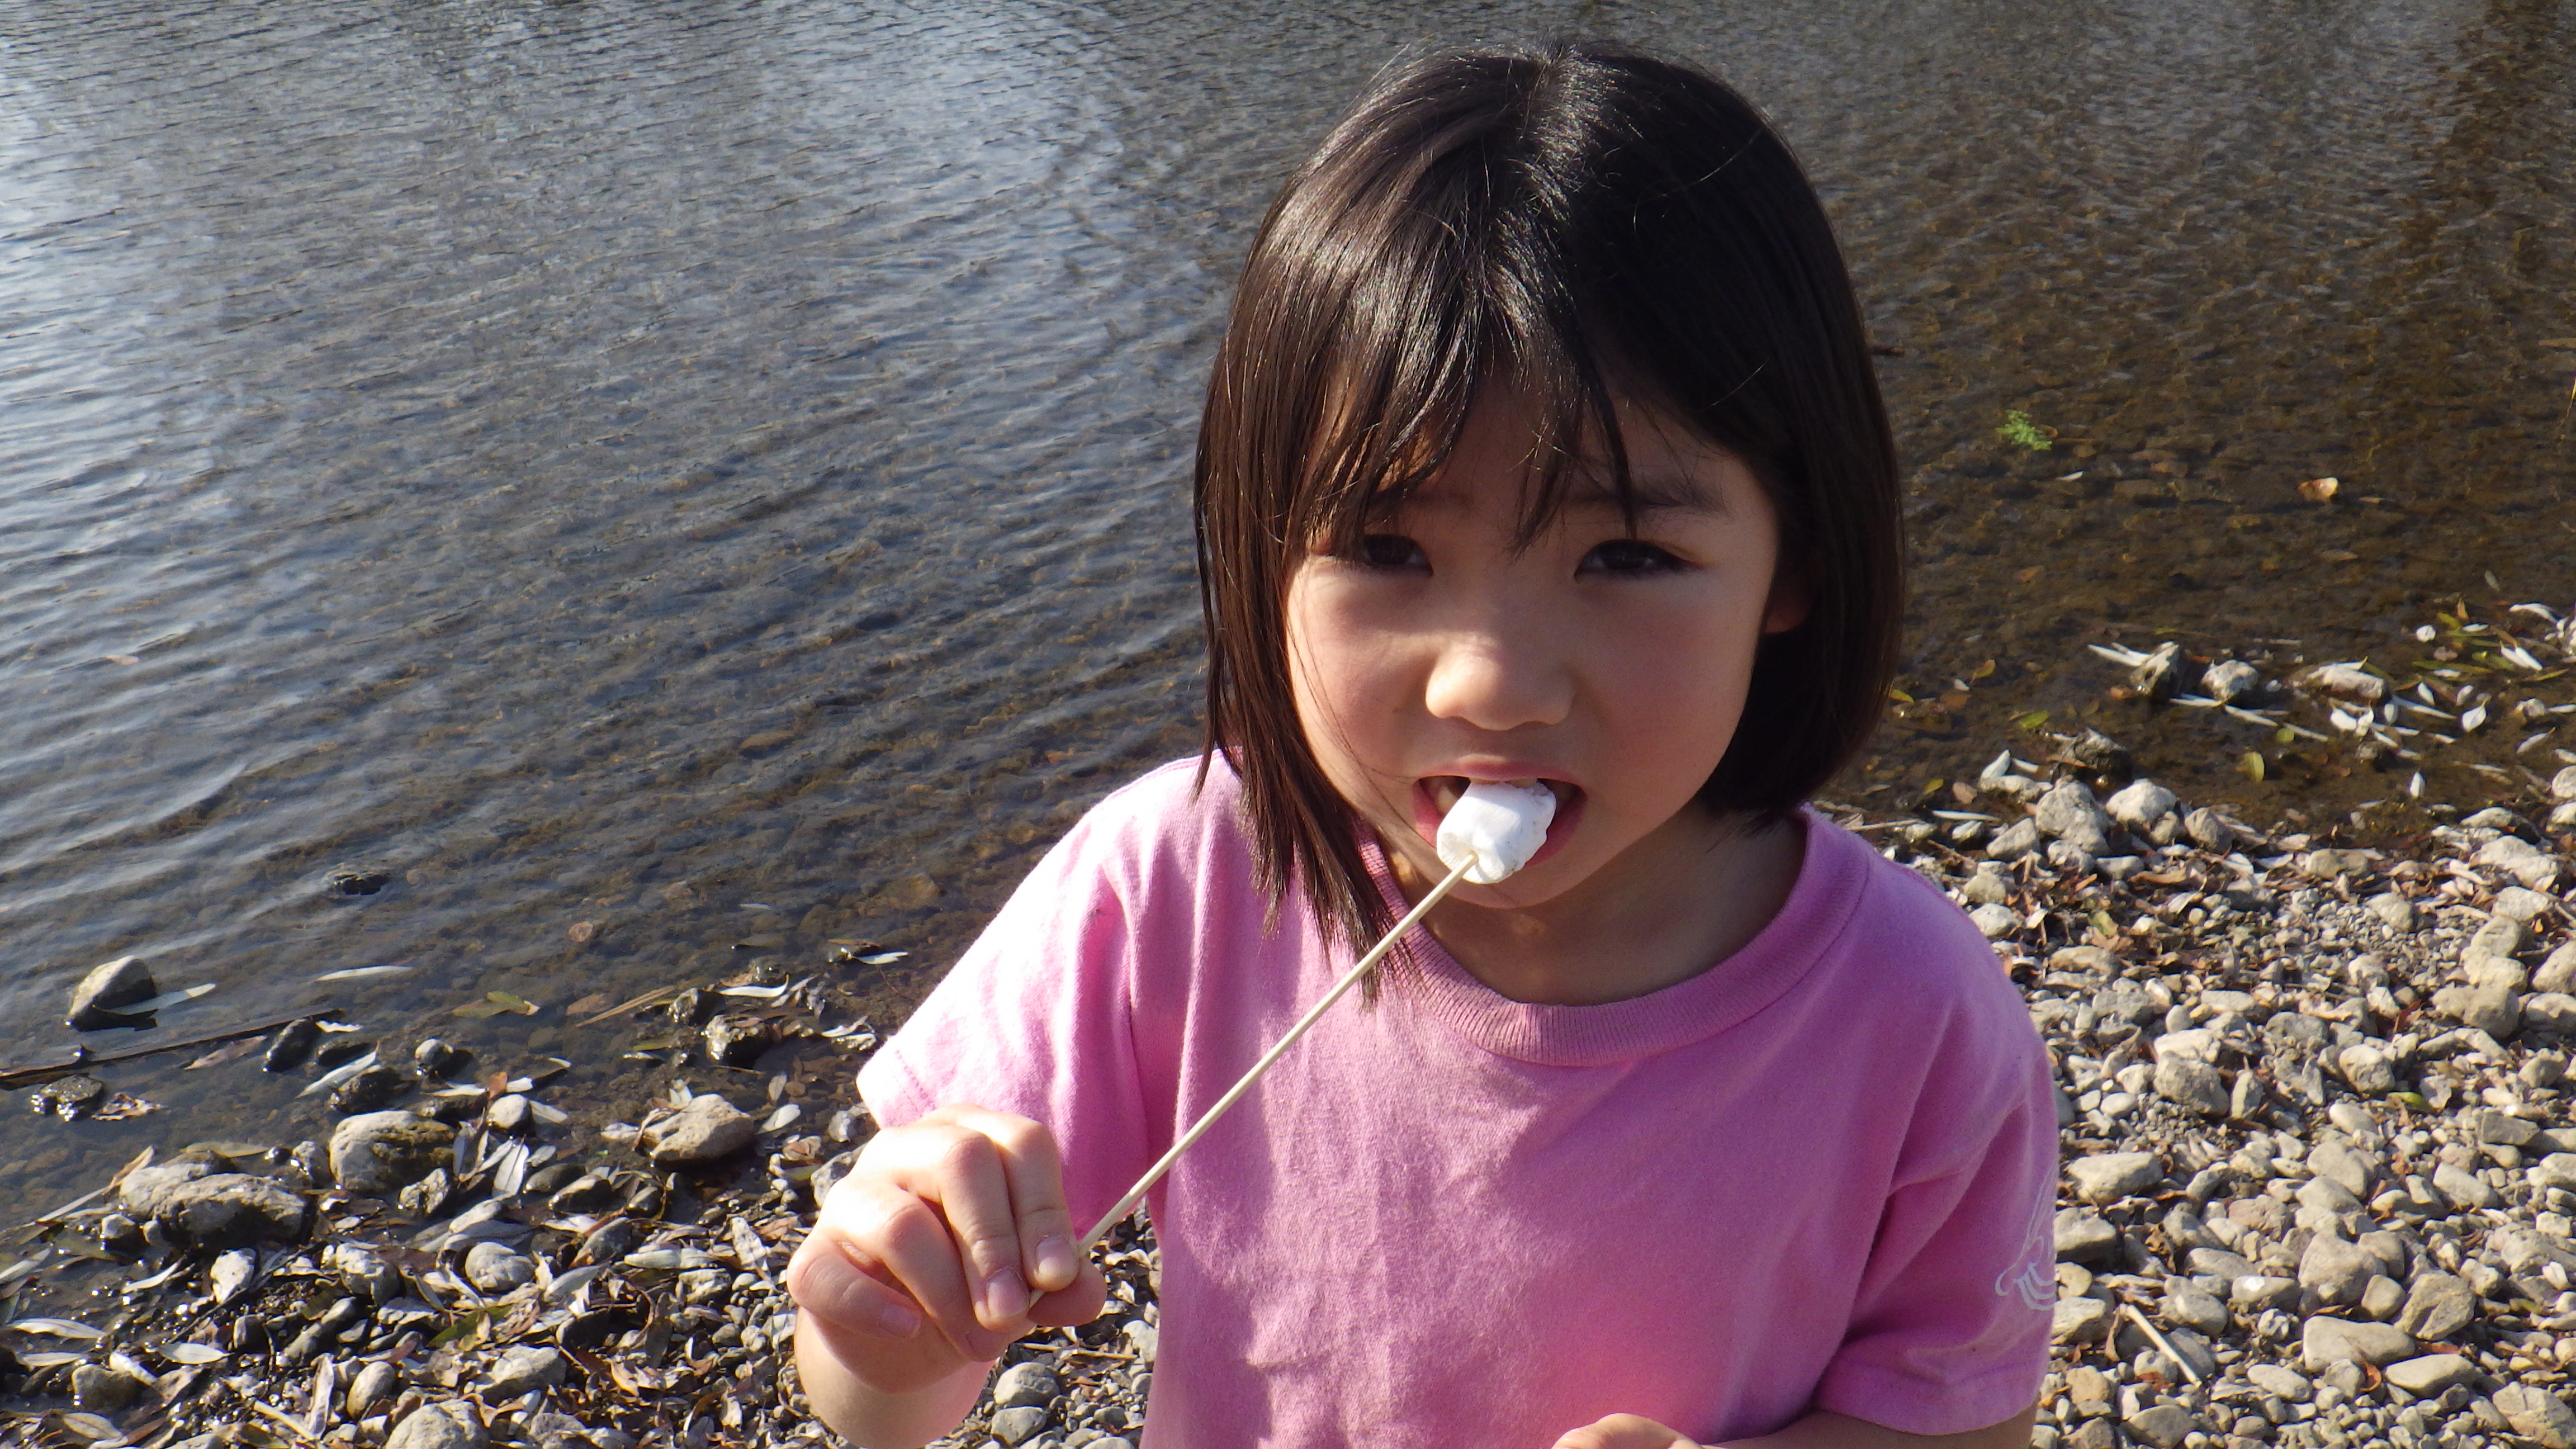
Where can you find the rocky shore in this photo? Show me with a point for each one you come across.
(2320, 1187)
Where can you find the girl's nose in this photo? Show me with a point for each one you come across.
(1498, 679)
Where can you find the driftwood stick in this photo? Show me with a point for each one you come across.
(38, 1076)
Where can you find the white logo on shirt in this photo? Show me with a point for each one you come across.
(2036, 1273)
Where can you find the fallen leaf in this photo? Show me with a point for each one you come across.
(2318, 490)
(229, 1052)
(121, 659)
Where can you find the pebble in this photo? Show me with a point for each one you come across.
(121, 982)
(450, 1425)
(2114, 1175)
(497, 1268)
(523, 1369)
(707, 1129)
(377, 1153)
(1023, 1385)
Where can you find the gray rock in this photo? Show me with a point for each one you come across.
(2552, 1011)
(2438, 1306)
(2558, 1169)
(2536, 1414)
(1018, 1426)
(2196, 1085)
(1023, 1385)
(2259, 1292)
(374, 1387)
(2218, 1263)
(2280, 1381)
(99, 1389)
(707, 1129)
(2328, 1196)
(2084, 1237)
(2354, 1170)
(2138, 805)
(2518, 858)
(1995, 922)
(523, 1369)
(2185, 1231)
(2325, 1342)
(2163, 1426)
(216, 1210)
(2208, 830)
(2335, 1270)
(2067, 811)
(121, 982)
(2558, 971)
(497, 1268)
(2502, 937)
(449, 1424)
(2230, 680)
(2367, 1068)
(375, 1154)
(2188, 1305)
(2381, 1297)
(2492, 1008)
(2394, 911)
(2080, 1320)
(146, 1189)
(2112, 1176)
(2428, 1376)
(508, 1113)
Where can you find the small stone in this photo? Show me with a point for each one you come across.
(1018, 1426)
(372, 1090)
(374, 1387)
(1023, 1385)
(424, 1199)
(2230, 680)
(121, 982)
(2188, 1305)
(2079, 1320)
(2438, 1306)
(2558, 971)
(2084, 1237)
(230, 1210)
(375, 1153)
(1986, 886)
(738, 1041)
(2394, 911)
(2090, 1390)
(2462, 1187)
(98, 1389)
(2381, 1297)
(523, 1369)
(1995, 922)
(2112, 1176)
(2367, 1069)
(2335, 1270)
(2196, 1085)
(2492, 1008)
(2138, 805)
(2549, 1011)
(707, 1129)
(2093, 1434)
(2014, 841)
(2262, 1292)
(2280, 1381)
(2536, 1414)
(2347, 681)
(2519, 859)
(497, 1268)
(589, 1193)
(2209, 830)
(2356, 1171)
(2325, 1342)
(436, 1060)
(449, 1424)
(2163, 1426)
(2428, 1376)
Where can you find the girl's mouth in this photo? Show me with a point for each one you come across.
(1433, 795)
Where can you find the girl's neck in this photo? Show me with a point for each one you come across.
(1678, 902)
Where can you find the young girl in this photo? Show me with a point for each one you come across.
(1542, 445)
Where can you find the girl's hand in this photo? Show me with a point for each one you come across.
(1624, 1431)
(948, 1240)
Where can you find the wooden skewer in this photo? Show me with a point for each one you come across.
(1367, 963)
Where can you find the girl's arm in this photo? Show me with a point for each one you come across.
(1816, 1431)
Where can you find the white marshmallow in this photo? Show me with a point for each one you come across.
(1497, 825)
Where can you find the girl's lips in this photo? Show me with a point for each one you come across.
(1434, 794)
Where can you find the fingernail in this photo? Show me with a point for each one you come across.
(898, 1321)
(1056, 1262)
(1005, 1296)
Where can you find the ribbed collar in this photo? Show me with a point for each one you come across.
(1833, 872)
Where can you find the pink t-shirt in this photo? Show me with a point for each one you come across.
(1815, 1176)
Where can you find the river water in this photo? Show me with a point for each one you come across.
(644, 477)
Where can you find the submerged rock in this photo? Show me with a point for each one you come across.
(121, 982)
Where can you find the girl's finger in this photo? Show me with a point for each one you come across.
(828, 1279)
(1035, 1172)
(1623, 1431)
(909, 1241)
(967, 1183)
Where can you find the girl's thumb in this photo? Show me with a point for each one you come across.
(828, 1283)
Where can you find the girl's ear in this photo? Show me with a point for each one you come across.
(1791, 597)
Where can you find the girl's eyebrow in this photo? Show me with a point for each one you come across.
(1649, 492)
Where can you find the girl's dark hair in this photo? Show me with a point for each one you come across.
(1578, 222)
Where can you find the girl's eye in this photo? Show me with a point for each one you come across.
(1389, 551)
(1628, 556)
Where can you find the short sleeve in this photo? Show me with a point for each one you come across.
(1950, 1329)
(1035, 1019)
